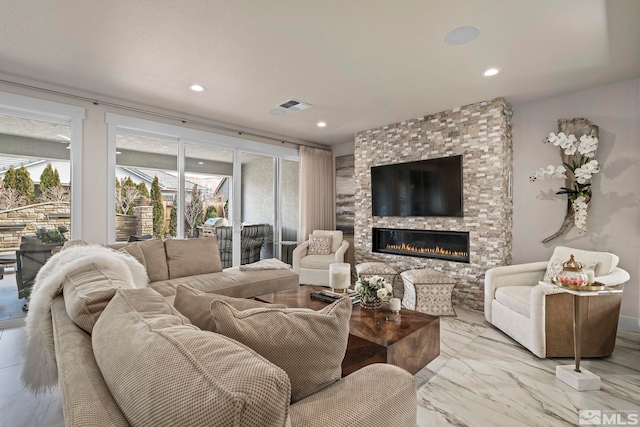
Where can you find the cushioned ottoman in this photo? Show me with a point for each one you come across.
(428, 292)
(382, 269)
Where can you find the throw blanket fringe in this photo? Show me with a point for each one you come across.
(40, 371)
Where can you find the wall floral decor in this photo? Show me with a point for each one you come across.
(577, 140)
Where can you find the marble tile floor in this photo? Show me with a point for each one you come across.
(484, 378)
(481, 378)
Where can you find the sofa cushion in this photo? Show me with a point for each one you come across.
(155, 259)
(233, 283)
(135, 251)
(190, 257)
(309, 345)
(516, 298)
(319, 245)
(87, 291)
(605, 262)
(317, 262)
(196, 305)
(336, 238)
(162, 371)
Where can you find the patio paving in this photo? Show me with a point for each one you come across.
(10, 305)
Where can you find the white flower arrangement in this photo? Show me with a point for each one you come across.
(373, 287)
(580, 166)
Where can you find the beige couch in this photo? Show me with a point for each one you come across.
(196, 263)
(141, 362)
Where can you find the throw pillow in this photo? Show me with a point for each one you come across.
(87, 291)
(309, 345)
(337, 237)
(190, 257)
(319, 245)
(196, 306)
(162, 371)
(155, 259)
(135, 251)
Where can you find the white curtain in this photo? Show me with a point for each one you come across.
(316, 194)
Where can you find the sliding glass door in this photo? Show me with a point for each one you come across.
(258, 210)
(243, 192)
(38, 142)
(146, 186)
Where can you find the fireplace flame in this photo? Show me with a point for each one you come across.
(437, 250)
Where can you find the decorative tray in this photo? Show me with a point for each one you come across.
(595, 286)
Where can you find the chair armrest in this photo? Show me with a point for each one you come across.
(342, 251)
(617, 277)
(512, 275)
(376, 395)
(299, 252)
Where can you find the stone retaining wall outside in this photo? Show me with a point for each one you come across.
(48, 215)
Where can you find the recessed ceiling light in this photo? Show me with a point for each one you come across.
(321, 124)
(201, 163)
(491, 72)
(277, 112)
(196, 88)
(118, 152)
(462, 35)
(66, 138)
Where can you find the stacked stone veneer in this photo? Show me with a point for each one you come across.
(140, 223)
(32, 217)
(481, 133)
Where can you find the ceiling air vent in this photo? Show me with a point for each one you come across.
(293, 105)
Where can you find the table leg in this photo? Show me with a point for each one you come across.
(577, 330)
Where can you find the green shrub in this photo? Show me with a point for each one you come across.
(49, 178)
(143, 191)
(56, 235)
(211, 213)
(173, 221)
(158, 209)
(24, 185)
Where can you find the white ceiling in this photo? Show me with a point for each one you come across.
(361, 64)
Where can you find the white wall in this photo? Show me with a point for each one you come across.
(614, 215)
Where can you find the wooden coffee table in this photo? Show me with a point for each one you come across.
(410, 342)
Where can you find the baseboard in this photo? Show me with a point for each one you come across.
(12, 323)
(627, 323)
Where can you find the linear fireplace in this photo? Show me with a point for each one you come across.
(446, 245)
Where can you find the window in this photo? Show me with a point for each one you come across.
(221, 184)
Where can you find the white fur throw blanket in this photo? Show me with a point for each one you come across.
(266, 264)
(39, 371)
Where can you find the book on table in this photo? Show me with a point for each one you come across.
(329, 296)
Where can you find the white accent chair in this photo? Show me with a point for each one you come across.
(541, 318)
(314, 269)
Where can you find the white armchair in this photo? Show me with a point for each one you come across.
(314, 269)
(541, 318)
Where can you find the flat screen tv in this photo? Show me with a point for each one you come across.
(430, 187)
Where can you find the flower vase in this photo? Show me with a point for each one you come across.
(373, 305)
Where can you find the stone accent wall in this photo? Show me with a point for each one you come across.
(481, 133)
(48, 215)
(125, 227)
